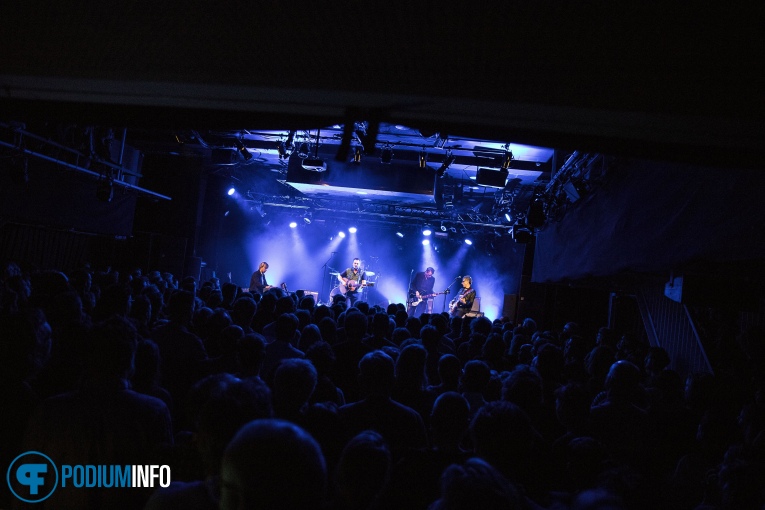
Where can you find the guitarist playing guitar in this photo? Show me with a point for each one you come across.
(421, 293)
(352, 280)
(463, 303)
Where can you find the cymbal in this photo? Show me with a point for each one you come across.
(370, 273)
(335, 274)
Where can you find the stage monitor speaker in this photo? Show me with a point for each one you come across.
(491, 177)
(509, 306)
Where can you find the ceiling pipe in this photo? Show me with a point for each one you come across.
(76, 168)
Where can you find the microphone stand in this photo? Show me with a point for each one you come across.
(449, 288)
(409, 289)
(324, 274)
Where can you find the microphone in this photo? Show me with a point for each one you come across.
(458, 278)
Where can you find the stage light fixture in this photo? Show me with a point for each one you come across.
(352, 230)
(386, 155)
(400, 234)
(443, 227)
(522, 233)
(293, 224)
(423, 159)
(507, 160)
(445, 165)
(508, 217)
(425, 242)
(427, 231)
(307, 218)
(468, 242)
(304, 149)
(282, 148)
(341, 234)
(231, 191)
(357, 154)
(247, 155)
(290, 142)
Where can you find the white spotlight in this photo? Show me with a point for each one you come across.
(352, 230)
(468, 242)
(427, 232)
(425, 242)
(399, 234)
(341, 233)
(293, 224)
(231, 191)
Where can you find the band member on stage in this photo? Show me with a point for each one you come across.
(258, 284)
(463, 303)
(352, 280)
(421, 294)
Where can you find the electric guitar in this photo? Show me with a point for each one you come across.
(418, 298)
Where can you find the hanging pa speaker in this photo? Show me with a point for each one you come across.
(491, 177)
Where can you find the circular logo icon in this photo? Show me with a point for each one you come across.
(32, 477)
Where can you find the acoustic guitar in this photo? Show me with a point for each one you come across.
(353, 286)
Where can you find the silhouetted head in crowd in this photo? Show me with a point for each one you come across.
(223, 404)
(328, 328)
(180, 308)
(623, 380)
(309, 335)
(294, 382)
(449, 371)
(523, 387)
(504, 436)
(283, 305)
(481, 325)
(475, 376)
(656, 360)
(363, 471)
(307, 303)
(109, 350)
(272, 464)
(243, 312)
(114, 300)
(476, 484)
(355, 325)
(399, 335)
(286, 327)
(25, 343)
(410, 368)
(449, 420)
(376, 374)
(252, 348)
(228, 293)
(430, 338)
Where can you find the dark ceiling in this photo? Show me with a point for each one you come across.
(674, 83)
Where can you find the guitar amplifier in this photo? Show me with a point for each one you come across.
(475, 310)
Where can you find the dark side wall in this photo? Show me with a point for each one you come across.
(650, 217)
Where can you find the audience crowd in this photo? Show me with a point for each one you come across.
(275, 401)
